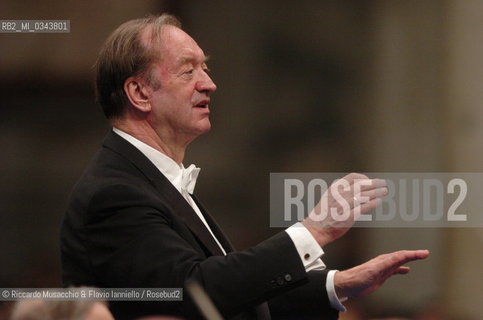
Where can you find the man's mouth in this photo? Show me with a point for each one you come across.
(202, 104)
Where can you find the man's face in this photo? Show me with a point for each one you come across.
(180, 106)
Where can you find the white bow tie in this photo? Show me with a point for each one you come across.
(188, 179)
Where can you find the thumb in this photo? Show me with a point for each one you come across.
(401, 270)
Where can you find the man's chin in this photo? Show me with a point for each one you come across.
(205, 126)
(206, 130)
(203, 129)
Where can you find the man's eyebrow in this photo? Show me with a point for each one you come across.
(189, 59)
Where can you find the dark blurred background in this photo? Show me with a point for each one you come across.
(303, 86)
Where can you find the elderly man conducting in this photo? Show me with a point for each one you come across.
(133, 220)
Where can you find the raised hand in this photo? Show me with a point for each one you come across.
(340, 206)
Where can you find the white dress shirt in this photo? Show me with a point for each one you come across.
(308, 249)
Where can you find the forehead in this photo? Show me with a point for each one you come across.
(177, 47)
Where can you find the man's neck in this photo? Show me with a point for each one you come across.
(164, 142)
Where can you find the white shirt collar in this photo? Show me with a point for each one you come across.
(167, 166)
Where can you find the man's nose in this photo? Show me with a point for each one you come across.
(205, 84)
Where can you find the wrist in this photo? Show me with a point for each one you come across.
(320, 235)
(335, 300)
(340, 285)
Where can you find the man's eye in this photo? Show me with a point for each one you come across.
(189, 71)
(207, 70)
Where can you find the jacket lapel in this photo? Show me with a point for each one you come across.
(219, 234)
(168, 193)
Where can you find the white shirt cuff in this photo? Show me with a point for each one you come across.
(308, 249)
(310, 253)
(335, 302)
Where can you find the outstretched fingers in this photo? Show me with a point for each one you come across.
(393, 262)
(405, 256)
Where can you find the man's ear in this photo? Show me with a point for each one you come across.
(138, 94)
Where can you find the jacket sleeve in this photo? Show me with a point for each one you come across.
(309, 301)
